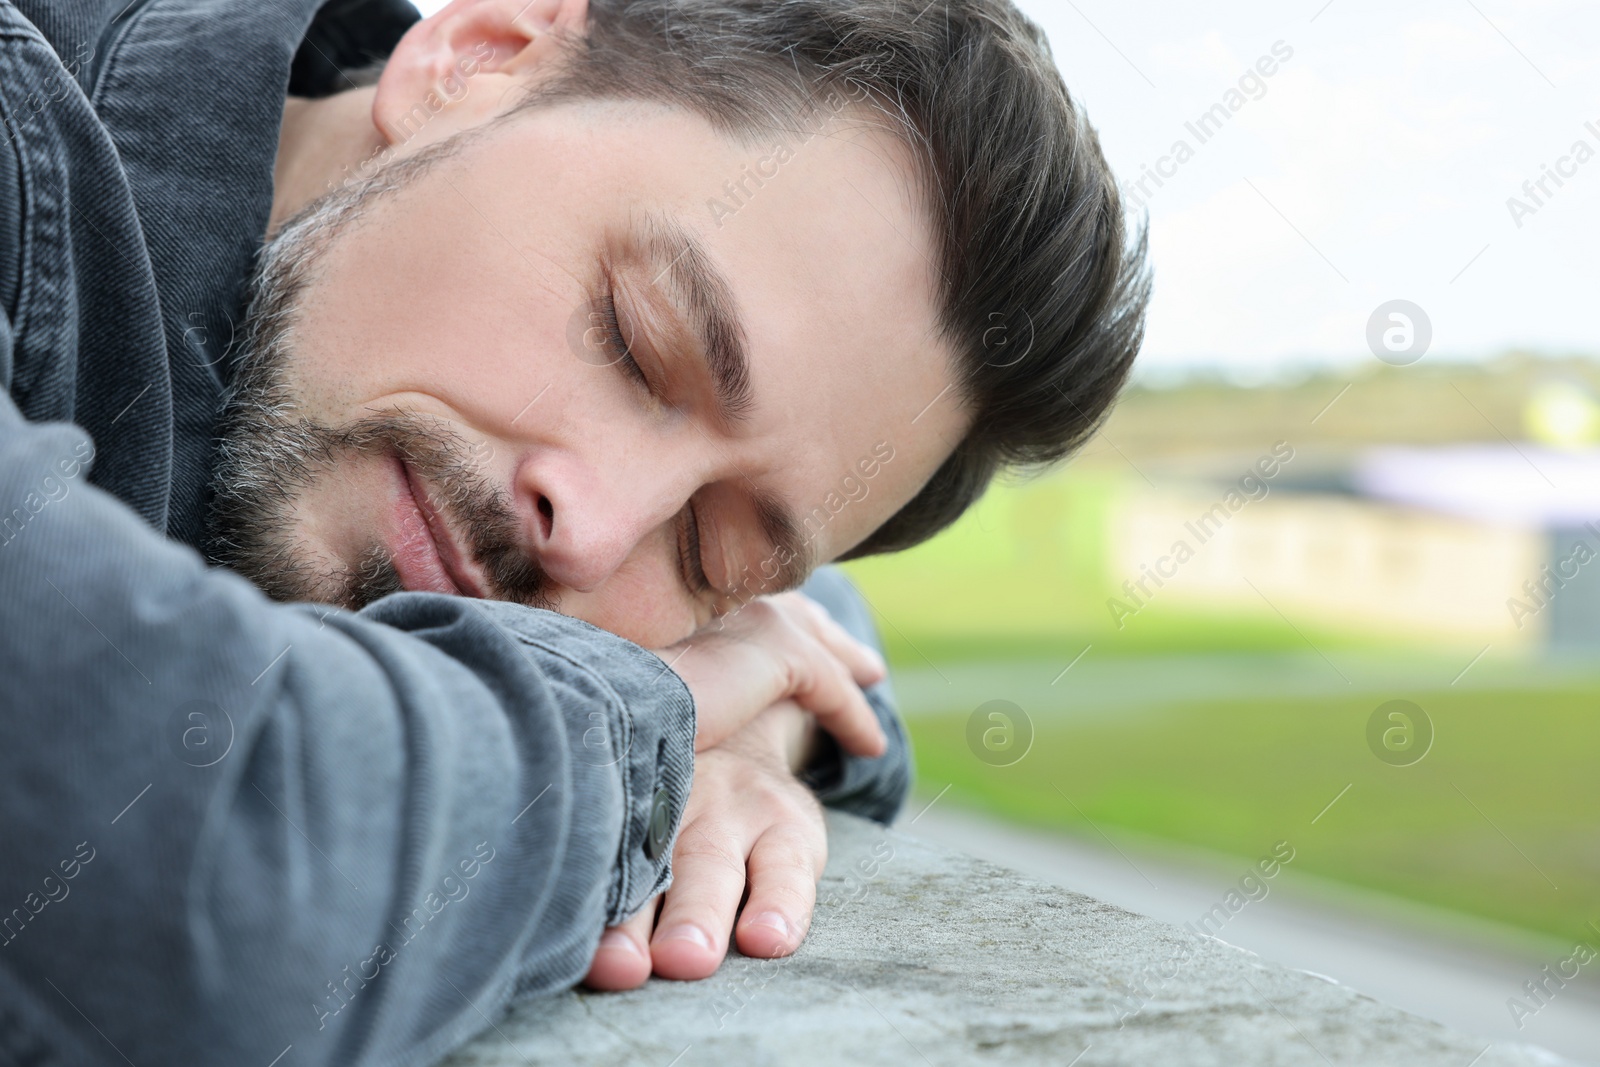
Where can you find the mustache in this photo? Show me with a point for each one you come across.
(268, 456)
(477, 508)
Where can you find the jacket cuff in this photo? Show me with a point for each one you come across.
(875, 789)
(638, 737)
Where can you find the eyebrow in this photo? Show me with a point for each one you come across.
(672, 250)
(713, 313)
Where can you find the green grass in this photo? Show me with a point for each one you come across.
(1499, 814)
(1041, 542)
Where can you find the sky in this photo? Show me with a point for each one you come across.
(1374, 164)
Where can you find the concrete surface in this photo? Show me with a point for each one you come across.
(1442, 966)
(921, 954)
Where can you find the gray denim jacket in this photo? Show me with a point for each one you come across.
(229, 826)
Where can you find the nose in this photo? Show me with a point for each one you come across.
(586, 518)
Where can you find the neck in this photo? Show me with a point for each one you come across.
(321, 142)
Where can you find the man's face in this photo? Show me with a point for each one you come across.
(471, 417)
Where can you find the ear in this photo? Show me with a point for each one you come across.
(453, 69)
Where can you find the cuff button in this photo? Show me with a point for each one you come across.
(659, 832)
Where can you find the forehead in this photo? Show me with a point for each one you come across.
(818, 223)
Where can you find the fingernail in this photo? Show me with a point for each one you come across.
(619, 940)
(686, 932)
(773, 921)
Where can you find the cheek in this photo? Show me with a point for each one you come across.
(432, 302)
(643, 601)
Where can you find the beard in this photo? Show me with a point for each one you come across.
(271, 454)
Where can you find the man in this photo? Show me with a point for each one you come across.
(581, 330)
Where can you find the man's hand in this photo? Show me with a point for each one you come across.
(748, 818)
(784, 647)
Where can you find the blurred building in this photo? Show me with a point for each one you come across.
(1492, 544)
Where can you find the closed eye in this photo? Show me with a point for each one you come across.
(617, 343)
(690, 563)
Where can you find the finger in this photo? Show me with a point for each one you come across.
(866, 665)
(731, 682)
(697, 917)
(784, 867)
(623, 959)
(841, 708)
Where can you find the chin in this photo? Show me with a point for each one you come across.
(634, 617)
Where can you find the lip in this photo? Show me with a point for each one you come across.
(426, 554)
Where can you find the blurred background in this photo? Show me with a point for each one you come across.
(1325, 584)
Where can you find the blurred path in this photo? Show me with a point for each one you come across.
(1100, 684)
(1455, 970)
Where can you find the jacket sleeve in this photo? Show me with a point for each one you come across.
(232, 826)
(873, 788)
